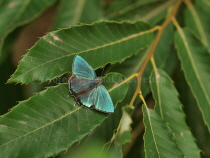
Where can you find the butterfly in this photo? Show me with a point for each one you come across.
(87, 88)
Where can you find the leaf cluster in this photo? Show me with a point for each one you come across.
(155, 57)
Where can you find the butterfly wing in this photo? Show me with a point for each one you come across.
(88, 99)
(99, 99)
(103, 100)
(78, 86)
(86, 89)
(82, 69)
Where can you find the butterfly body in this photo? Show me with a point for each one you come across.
(87, 88)
(89, 84)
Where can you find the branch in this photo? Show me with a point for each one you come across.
(152, 48)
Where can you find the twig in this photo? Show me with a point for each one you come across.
(153, 47)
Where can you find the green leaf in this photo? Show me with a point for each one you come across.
(195, 64)
(150, 11)
(49, 123)
(158, 137)
(193, 117)
(115, 150)
(116, 5)
(124, 134)
(163, 56)
(103, 133)
(99, 43)
(197, 19)
(163, 51)
(75, 11)
(169, 108)
(8, 43)
(18, 12)
(92, 149)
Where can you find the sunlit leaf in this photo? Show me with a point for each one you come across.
(169, 108)
(49, 123)
(99, 43)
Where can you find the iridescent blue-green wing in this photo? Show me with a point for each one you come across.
(97, 98)
(103, 100)
(88, 99)
(82, 69)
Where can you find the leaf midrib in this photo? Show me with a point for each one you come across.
(105, 45)
(152, 131)
(41, 127)
(207, 2)
(158, 92)
(79, 10)
(158, 10)
(199, 26)
(193, 65)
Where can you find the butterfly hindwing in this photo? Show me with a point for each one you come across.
(79, 85)
(82, 69)
(103, 100)
(99, 99)
(89, 98)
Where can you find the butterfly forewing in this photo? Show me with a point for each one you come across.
(82, 69)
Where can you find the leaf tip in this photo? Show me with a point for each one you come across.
(10, 80)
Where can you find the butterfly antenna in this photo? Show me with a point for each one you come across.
(102, 71)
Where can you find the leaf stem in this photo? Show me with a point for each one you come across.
(142, 98)
(153, 63)
(126, 80)
(152, 48)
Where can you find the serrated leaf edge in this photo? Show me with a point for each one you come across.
(61, 116)
(95, 48)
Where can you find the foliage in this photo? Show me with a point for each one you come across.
(155, 57)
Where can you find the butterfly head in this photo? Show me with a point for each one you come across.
(98, 80)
